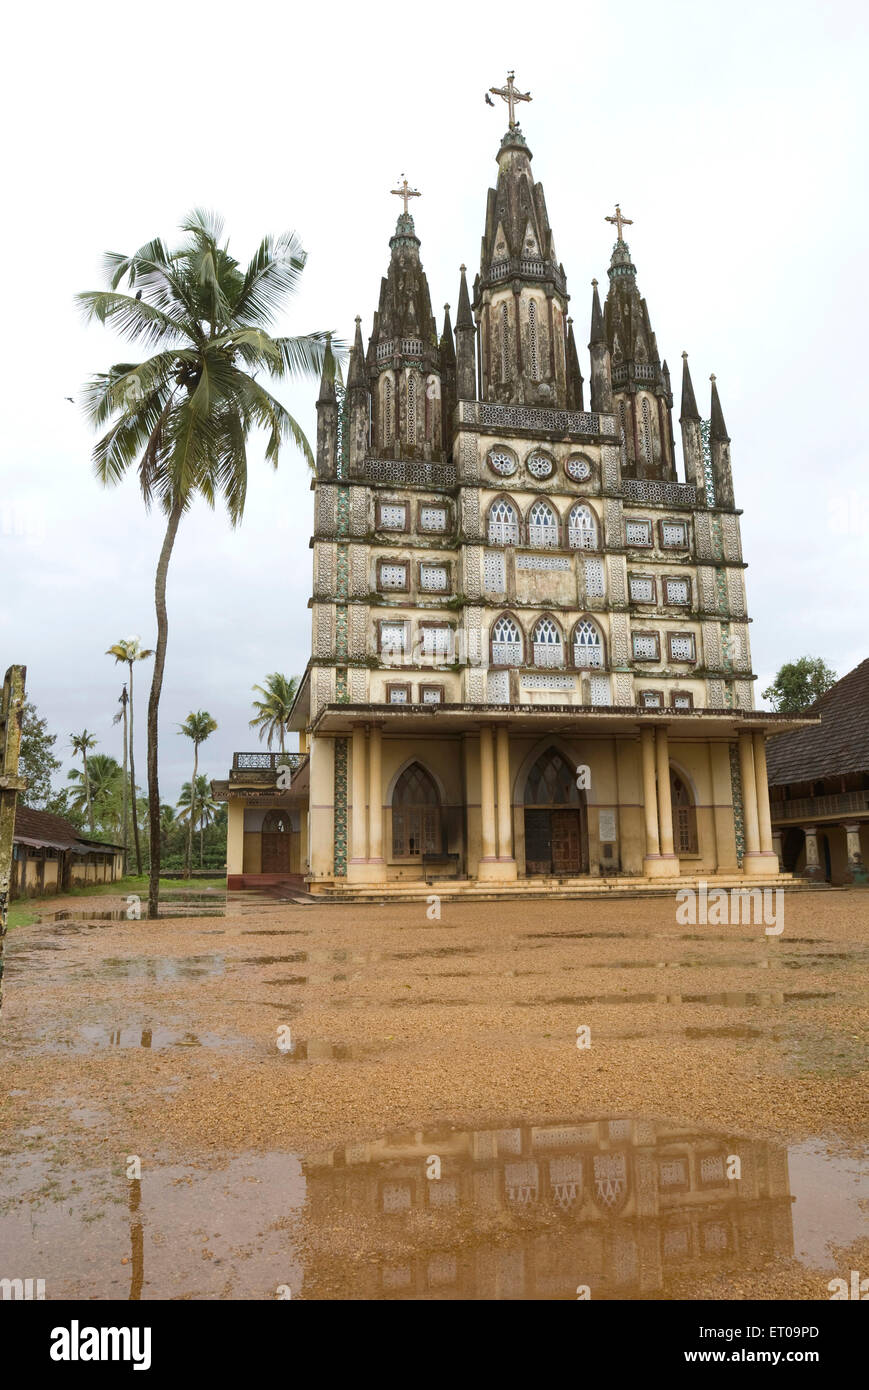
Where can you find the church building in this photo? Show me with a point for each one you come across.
(530, 660)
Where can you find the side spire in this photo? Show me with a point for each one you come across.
(717, 427)
(466, 336)
(574, 374)
(689, 409)
(692, 439)
(327, 417)
(719, 449)
(601, 366)
(327, 376)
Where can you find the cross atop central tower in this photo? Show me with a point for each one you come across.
(619, 220)
(510, 94)
(405, 192)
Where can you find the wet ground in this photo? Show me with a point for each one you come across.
(548, 1101)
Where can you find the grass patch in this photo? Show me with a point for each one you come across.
(23, 912)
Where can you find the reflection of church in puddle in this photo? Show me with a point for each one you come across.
(617, 1205)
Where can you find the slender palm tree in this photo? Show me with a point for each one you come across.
(197, 727)
(130, 649)
(183, 416)
(83, 743)
(273, 710)
(105, 785)
(121, 715)
(202, 802)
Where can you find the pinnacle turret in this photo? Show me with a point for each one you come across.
(688, 409)
(717, 427)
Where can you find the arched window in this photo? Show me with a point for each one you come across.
(533, 343)
(548, 647)
(582, 528)
(388, 411)
(416, 815)
(542, 526)
(505, 354)
(684, 815)
(506, 642)
(587, 645)
(552, 782)
(503, 523)
(411, 408)
(647, 431)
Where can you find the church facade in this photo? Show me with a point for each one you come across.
(530, 655)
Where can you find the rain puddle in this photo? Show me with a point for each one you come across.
(158, 967)
(294, 956)
(622, 1207)
(736, 999)
(96, 1038)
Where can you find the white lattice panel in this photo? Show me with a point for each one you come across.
(645, 648)
(393, 576)
(323, 630)
(474, 635)
(357, 630)
(358, 685)
(542, 562)
(359, 585)
(619, 644)
(708, 598)
(498, 687)
(642, 589)
(594, 578)
(703, 536)
(469, 458)
(434, 578)
(624, 688)
(393, 516)
(617, 579)
(613, 521)
(476, 686)
(471, 514)
(730, 533)
(715, 694)
(326, 504)
(610, 465)
(358, 511)
(432, 518)
(600, 690)
(324, 567)
(549, 682)
(744, 697)
(494, 572)
(712, 646)
(736, 593)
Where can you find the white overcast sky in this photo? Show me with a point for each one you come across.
(734, 135)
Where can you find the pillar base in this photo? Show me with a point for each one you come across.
(661, 866)
(760, 864)
(496, 871)
(366, 871)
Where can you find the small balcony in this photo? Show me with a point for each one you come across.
(812, 808)
(261, 769)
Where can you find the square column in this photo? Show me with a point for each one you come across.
(359, 870)
(669, 858)
(756, 859)
(505, 810)
(652, 865)
(813, 860)
(234, 843)
(376, 865)
(856, 870)
(488, 868)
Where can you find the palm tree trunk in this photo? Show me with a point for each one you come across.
(154, 708)
(87, 792)
(189, 869)
(124, 835)
(201, 833)
(133, 784)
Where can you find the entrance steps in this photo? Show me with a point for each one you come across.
(550, 888)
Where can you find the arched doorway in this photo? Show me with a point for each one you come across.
(275, 838)
(684, 815)
(556, 834)
(416, 815)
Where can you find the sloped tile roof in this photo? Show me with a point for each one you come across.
(836, 746)
(41, 827)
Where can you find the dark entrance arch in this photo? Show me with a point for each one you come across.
(275, 839)
(556, 831)
(416, 815)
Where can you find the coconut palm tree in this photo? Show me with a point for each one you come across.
(83, 743)
(205, 807)
(183, 416)
(197, 727)
(273, 710)
(105, 785)
(130, 649)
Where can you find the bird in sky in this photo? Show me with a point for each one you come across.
(489, 101)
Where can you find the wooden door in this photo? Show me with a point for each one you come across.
(275, 843)
(538, 842)
(566, 843)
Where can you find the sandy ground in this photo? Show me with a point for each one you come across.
(265, 1037)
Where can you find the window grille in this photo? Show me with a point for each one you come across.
(542, 526)
(678, 591)
(682, 648)
(539, 466)
(506, 643)
(398, 696)
(433, 577)
(432, 518)
(436, 641)
(600, 690)
(503, 524)
(594, 580)
(638, 532)
(393, 516)
(393, 639)
(393, 576)
(431, 695)
(642, 589)
(587, 647)
(645, 646)
(652, 699)
(502, 462)
(582, 528)
(547, 644)
(578, 469)
(682, 702)
(498, 688)
(494, 571)
(673, 533)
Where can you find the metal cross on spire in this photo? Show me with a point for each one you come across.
(619, 220)
(405, 191)
(509, 94)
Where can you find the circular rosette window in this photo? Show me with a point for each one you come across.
(502, 462)
(540, 466)
(579, 469)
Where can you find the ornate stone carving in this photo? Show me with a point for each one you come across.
(732, 543)
(469, 458)
(613, 514)
(706, 581)
(712, 646)
(624, 688)
(703, 536)
(474, 635)
(715, 694)
(744, 694)
(359, 584)
(358, 685)
(358, 511)
(473, 571)
(326, 510)
(323, 629)
(620, 649)
(323, 689)
(476, 685)
(471, 523)
(324, 569)
(618, 589)
(610, 465)
(358, 631)
(736, 593)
